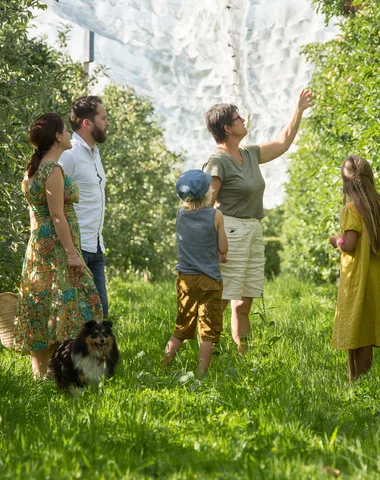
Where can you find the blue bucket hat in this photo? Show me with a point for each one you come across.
(193, 183)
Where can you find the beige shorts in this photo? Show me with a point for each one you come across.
(243, 274)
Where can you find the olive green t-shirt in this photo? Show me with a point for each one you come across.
(242, 190)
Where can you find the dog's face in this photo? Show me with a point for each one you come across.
(99, 337)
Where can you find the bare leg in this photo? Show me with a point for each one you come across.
(240, 325)
(351, 365)
(359, 362)
(205, 351)
(363, 360)
(172, 347)
(40, 361)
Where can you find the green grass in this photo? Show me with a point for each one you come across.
(284, 411)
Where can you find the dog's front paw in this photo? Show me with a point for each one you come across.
(75, 391)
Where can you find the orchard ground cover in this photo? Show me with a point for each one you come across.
(284, 411)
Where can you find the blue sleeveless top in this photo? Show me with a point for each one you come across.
(197, 242)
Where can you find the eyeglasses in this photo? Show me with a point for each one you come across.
(238, 118)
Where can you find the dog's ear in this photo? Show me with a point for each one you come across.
(108, 323)
(89, 325)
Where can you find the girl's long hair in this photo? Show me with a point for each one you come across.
(359, 187)
(42, 135)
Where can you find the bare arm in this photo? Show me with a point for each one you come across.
(350, 239)
(222, 237)
(215, 186)
(55, 199)
(270, 151)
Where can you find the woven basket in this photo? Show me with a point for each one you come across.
(8, 303)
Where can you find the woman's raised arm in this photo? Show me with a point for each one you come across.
(270, 151)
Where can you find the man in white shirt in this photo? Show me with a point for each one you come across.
(82, 163)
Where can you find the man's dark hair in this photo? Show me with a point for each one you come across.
(217, 116)
(83, 108)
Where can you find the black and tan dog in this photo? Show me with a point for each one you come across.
(86, 359)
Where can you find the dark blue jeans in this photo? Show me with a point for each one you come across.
(95, 262)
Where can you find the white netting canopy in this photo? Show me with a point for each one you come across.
(189, 54)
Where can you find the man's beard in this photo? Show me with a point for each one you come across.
(100, 136)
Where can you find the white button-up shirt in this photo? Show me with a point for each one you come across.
(85, 168)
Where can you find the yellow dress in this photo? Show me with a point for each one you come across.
(357, 316)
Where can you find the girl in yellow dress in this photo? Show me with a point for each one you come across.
(357, 317)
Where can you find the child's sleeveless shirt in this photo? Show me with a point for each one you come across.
(197, 241)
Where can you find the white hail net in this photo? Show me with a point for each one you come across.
(189, 54)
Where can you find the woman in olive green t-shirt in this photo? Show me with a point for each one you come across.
(238, 188)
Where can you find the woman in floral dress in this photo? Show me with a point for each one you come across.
(57, 292)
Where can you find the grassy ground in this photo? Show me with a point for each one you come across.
(284, 411)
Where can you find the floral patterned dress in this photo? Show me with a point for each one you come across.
(54, 300)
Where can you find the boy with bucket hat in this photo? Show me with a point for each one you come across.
(200, 238)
